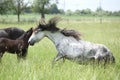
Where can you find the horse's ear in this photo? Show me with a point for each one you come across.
(53, 21)
(29, 30)
(42, 22)
(38, 23)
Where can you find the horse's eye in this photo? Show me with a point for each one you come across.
(37, 31)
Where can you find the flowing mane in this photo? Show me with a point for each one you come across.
(52, 26)
(72, 33)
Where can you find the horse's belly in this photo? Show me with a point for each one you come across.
(11, 51)
(74, 52)
(79, 53)
(71, 50)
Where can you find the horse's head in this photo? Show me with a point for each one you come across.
(40, 31)
(37, 35)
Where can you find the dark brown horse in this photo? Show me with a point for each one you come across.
(11, 33)
(18, 46)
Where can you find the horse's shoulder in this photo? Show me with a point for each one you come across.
(21, 41)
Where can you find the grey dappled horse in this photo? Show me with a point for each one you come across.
(69, 45)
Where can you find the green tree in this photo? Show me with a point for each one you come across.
(40, 6)
(5, 6)
(61, 11)
(116, 13)
(19, 6)
(86, 12)
(77, 12)
(99, 11)
(69, 12)
(28, 9)
(54, 9)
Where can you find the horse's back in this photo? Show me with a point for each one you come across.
(14, 32)
(11, 33)
(3, 33)
(5, 40)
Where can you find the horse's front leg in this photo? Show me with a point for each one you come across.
(24, 54)
(19, 56)
(1, 55)
(63, 59)
(58, 57)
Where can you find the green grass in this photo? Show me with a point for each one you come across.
(38, 63)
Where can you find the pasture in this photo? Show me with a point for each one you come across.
(38, 63)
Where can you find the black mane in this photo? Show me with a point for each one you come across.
(51, 26)
(72, 33)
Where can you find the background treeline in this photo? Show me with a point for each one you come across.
(15, 6)
(42, 7)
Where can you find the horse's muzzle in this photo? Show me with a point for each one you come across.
(31, 43)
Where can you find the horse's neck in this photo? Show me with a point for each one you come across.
(23, 38)
(58, 38)
(55, 37)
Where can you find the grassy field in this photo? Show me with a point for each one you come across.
(38, 63)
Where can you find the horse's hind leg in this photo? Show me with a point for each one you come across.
(106, 59)
(109, 59)
(112, 59)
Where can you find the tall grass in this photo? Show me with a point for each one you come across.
(38, 63)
